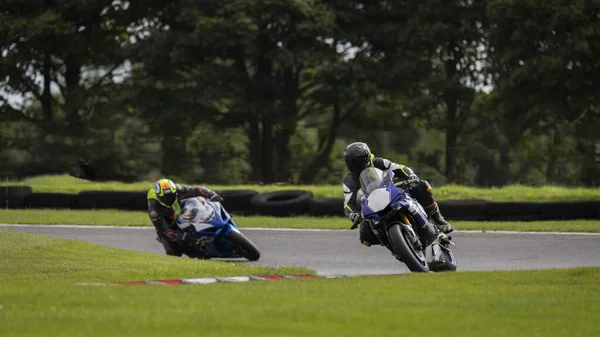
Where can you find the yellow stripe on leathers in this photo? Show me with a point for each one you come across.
(152, 195)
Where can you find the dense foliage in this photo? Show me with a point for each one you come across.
(479, 92)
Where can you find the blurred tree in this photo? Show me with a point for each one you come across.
(452, 32)
(65, 56)
(240, 63)
(543, 59)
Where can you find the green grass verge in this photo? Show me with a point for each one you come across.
(128, 218)
(37, 298)
(67, 184)
(32, 257)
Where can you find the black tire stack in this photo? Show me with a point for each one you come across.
(282, 203)
(291, 202)
(14, 196)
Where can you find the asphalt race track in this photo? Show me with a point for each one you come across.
(338, 252)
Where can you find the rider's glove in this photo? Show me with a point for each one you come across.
(216, 198)
(412, 179)
(171, 235)
(356, 218)
(179, 236)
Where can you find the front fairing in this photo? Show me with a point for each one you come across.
(388, 199)
(202, 214)
(376, 190)
(210, 223)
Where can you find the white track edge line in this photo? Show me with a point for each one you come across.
(291, 229)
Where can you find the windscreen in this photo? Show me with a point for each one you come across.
(196, 210)
(370, 179)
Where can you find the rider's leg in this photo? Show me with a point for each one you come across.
(422, 192)
(366, 235)
(171, 248)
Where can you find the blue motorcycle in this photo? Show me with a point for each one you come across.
(401, 223)
(215, 234)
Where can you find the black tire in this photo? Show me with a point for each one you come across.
(401, 247)
(13, 196)
(514, 211)
(464, 209)
(448, 264)
(122, 200)
(238, 201)
(570, 210)
(244, 246)
(51, 200)
(326, 207)
(282, 203)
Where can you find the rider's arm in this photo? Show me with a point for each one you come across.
(350, 192)
(400, 171)
(186, 191)
(157, 216)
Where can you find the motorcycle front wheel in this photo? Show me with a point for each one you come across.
(244, 246)
(449, 263)
(414, 260)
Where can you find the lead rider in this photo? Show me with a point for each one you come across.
(358, 156)
(163, 202)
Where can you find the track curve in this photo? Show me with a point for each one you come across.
(336, 252)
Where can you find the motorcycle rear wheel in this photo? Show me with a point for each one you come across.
(244, 246)
(401, 247)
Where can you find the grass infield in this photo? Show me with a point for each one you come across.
(37, 297)
(129, 218)
(68, 184)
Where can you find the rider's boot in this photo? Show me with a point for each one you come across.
(433, 211)
(427, 234)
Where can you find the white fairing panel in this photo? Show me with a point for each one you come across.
(202, 226)
(196, 212)
(183, 225)
(378, 199)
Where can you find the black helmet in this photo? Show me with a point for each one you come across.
(357, 156)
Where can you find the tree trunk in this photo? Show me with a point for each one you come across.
(552, 170)
(310, 172)
(282, 150)
(172, 150)
(451, 152)
(267, 150)
(72, 96)
(288, 121)
(452, 131)
(504, 176)
(450, 97)
(255, 150)
(46, 93)
(263, 98)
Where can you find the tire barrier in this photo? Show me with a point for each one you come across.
(113, 200)
(300, 202)
(570, 210)
(475, 210)
(282, 203)
(52, 200)
(514, 211)
(238, 201)
(14, 196)
(326, 207)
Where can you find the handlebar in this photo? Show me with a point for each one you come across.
(403, 184)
